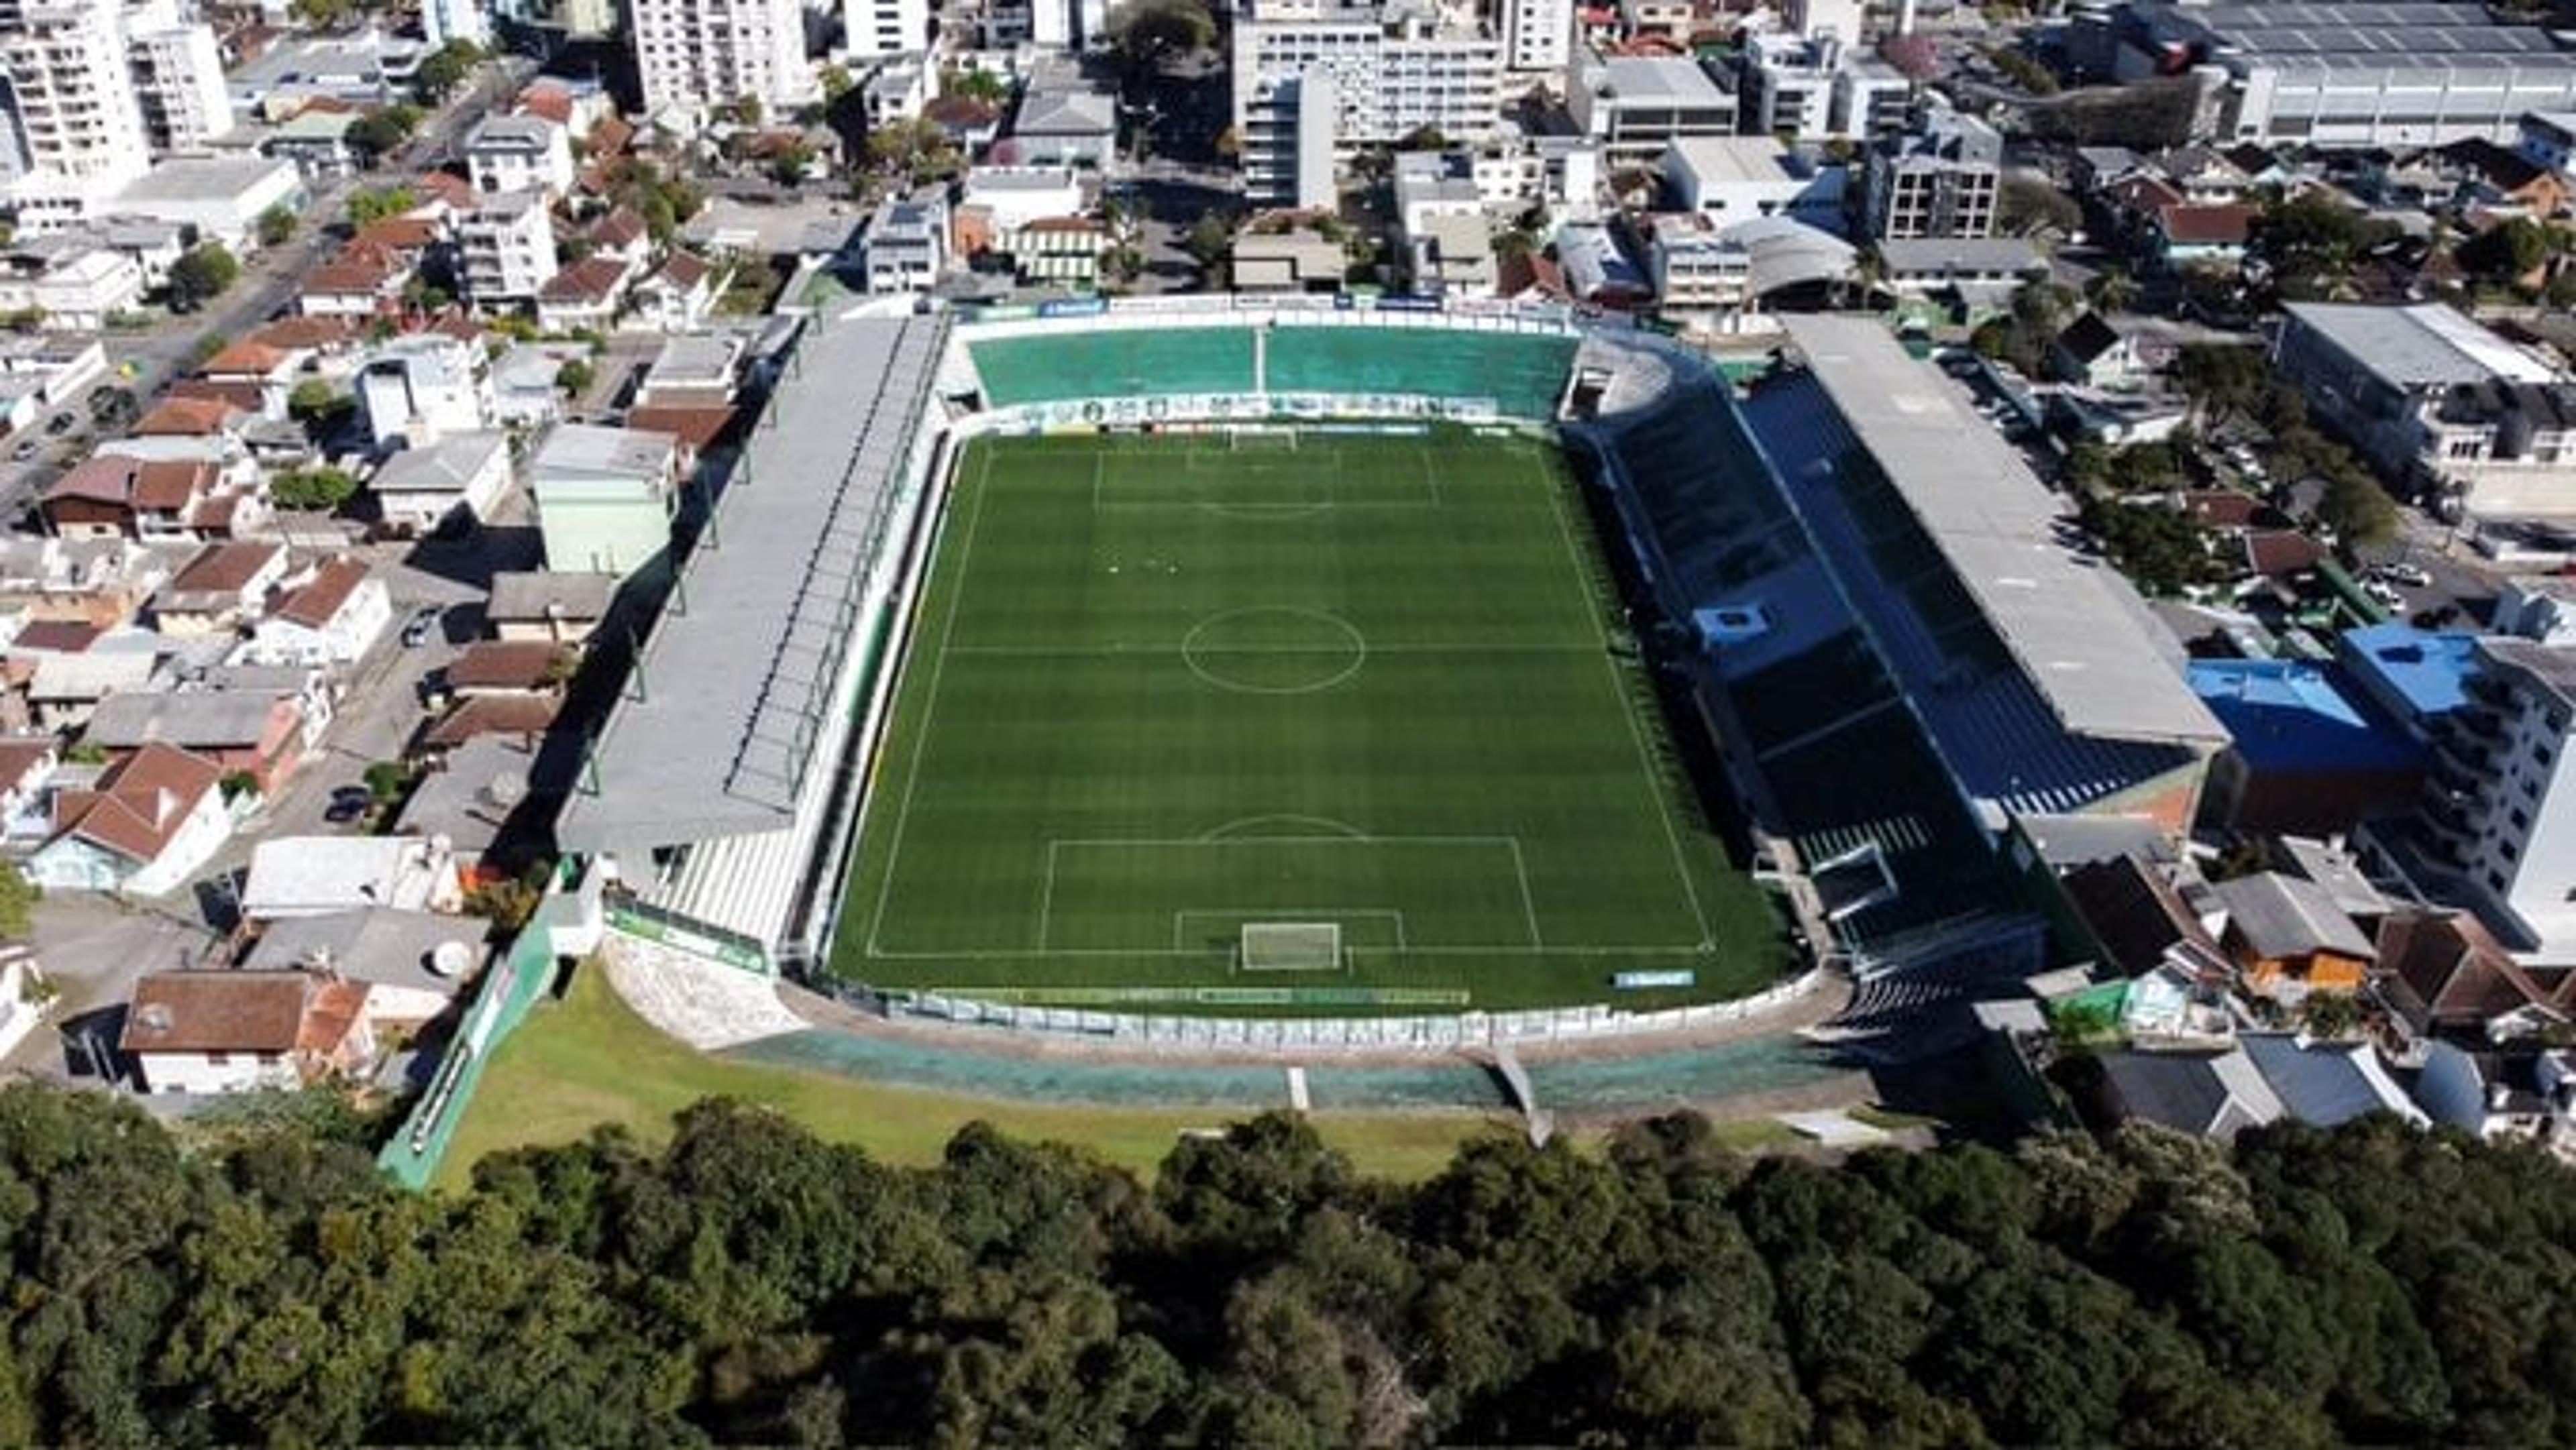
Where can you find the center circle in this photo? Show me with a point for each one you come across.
(1274, 650)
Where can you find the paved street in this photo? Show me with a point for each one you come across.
(92, 949)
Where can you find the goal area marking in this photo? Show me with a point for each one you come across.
(1290, 946)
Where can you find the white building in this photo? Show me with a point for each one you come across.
(1943, 181)
(143, 827)
(906, 245)
(2437, 401)
(462, 475)
(1817, 90)
(178, 75)
(695, 55)
(294, 876)
(1731, 178)
(1636, 106)
(506, 250)
(332, 618)
(1377, 73)
(221, 197)
(2501, 803)
(444, 20)
(417, 389)
(885, 27)
(519, 153)
(77, 280)
(71, 130)
(1538, 35)
(2547, 139)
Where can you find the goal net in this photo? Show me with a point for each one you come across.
(1291, 946)
(1257, 439)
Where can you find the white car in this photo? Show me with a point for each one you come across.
(2413, 576)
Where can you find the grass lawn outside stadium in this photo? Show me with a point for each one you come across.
(1162, 688)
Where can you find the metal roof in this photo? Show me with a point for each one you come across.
(2421, 345)
(750, 662)
(2077, 630)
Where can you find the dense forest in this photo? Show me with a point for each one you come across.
(751, 1283)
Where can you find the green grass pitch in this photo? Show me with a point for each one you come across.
(1162, 687)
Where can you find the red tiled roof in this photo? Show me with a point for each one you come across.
(240, 397)
(139, 802)
(224, 568)
(304, 332)
(684, 270)
(218, 1011)
(552, 102)
(2274, 553)
(2222, 225)
(186, 418)
(21, 755)
(610, 137)
(398, 233)
(2222, 508)
(695, 426)
(321, 598)
(160, 485)
(244, 357)
(57, 636)
(353, 271)
(620, 228)
(333, 1013)
(961, 112)
(444, 186)
(504, 665)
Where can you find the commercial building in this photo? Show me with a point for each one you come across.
(1816, 89)
(415, 390)
(2352, 75)
(219, 198)
(1730, 178)
(2437, 402)
(442, 21)
(906, 245)
(1635, 107)
(1941, 181)
(695, 55)
(1376, 73)
(605, 496)
(71, 130)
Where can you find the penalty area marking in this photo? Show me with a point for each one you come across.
(1055, 849)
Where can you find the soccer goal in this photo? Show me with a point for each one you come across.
(1290, 946)
(1256, 438)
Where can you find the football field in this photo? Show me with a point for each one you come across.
(1363, 694)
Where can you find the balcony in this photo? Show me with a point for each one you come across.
(2455, 748)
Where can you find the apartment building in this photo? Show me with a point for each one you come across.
(1335, 75)
(694, 55)
(1816, 89)
(1941, 181)
(506, 250)
(1538, 35)
(2500, 803)
(178, 74)
(871, 28)
(71, 131)
(2437, 402)
(519, 153)
(444, 20)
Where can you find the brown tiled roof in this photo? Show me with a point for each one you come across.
(214, 514)
(444, 186)
(552, 102)
(962, 112)
(218, 1011)
(2223, 225)
(694, 426)
(610, 137)
(21, 754)
(2222, 508)
(241, 397)
(592, 279)
(620, 228)
(351, 271)
(56, 636)
(2144, 193)
(492, 715)
(398, 234)
(320, 599)
(684, 270)
(2132, 911)
(160, 485)
(186, 418)
(244, 357)
(334, 1011)
(2275, 553)
(2450, 965)
(224, 568)
(503, 665)
(304, 332)
(139, 802)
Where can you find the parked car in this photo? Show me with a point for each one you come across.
(347, 804)
(25, 450)
(59, 424)
(2413, 576)
(424, 623)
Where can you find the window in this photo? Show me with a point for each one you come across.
(2521, 821)
(2495, 879)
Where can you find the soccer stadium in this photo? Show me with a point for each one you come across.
(1309, 657)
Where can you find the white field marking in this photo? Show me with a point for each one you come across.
(930, 708)
(1636, 733)
(1055, 847)
(1218, 833)
(1080, 651)
(1529, 902)
(988, 954)
(1215, 680)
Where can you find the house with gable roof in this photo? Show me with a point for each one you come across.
(146, 824)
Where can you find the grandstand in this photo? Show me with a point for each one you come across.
(1887, 631)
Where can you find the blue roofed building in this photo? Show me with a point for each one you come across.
(2415, 675)
(2309, 753)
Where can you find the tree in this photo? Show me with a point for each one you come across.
(319, 406)
(18, 898)
(2026, 207)
(790, 165)
(574, 378)
(2356, 507)
(333, 15)
(2111, 290)
(381, 132)
(2507, 252)
(1146, 33)
(369, 205)
(2223, 381)
(2311, 242)
(442, 70)
(322, 487)
(202, 274)
(975, 83)
(205, 347)
(276, 226)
